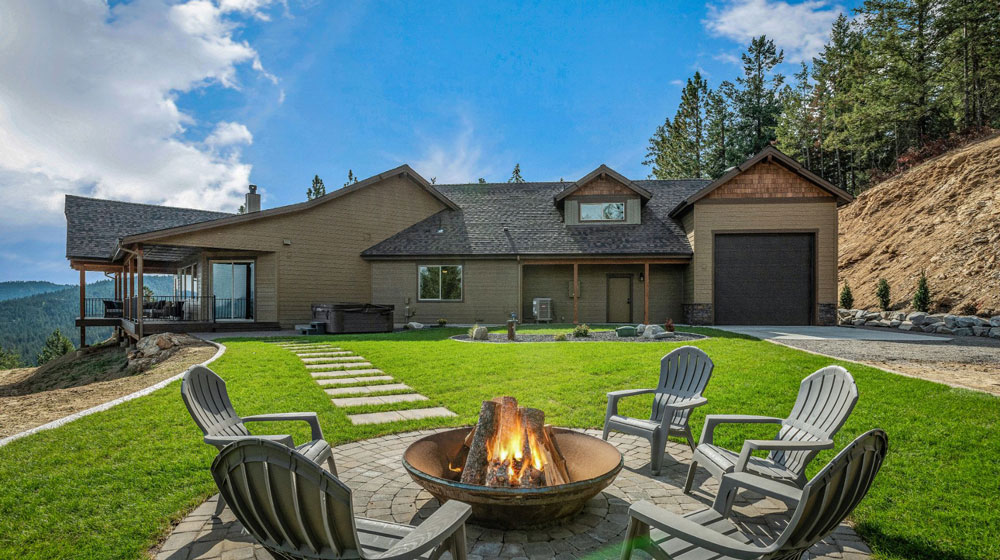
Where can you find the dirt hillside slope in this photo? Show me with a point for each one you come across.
(942, 216)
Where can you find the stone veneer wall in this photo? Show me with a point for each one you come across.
(698, 313)
(827, 314)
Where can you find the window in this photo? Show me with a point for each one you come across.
(602, 211)
(440, 283)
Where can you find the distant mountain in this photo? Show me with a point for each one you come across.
(19, 289)
(25, 322)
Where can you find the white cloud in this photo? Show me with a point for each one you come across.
(88, 104)
(800, 29)
(677, 83)
(459, 161)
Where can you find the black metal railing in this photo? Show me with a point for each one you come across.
(233, 309)
(156, 308)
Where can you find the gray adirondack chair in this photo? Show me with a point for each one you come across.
(296, 510)
(826, 398)
(707, 534)
(684, 373)
(207, 400)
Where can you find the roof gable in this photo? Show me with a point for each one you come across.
(726, 187)
(607, 178)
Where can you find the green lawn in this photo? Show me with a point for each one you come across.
(109, 485)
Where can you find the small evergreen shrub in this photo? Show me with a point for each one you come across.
(846, 297)
(561, 337)
(669, 325)
(581, 330)
(969, 309)
(57, 344)
(442, 322)
(882, 294)
(922, 298)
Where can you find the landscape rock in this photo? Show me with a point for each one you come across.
(639, 328)
(873, 316)
(652, 330)
(944, 329)
(664, 334)
(859, 322)
(877, 323)
(935, 318)
(963, 331)
(906, 326)
(950, 320)
(414, 325)
(931, 327)
(481, 333)
(995, 321)
(980, 330)
(966, 321)
(899, 316)
(917, 318)
(895, 323)
(153, 349)
(995, 332)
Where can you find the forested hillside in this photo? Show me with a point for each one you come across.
(896, 82)
(18, 289)
(25, 322)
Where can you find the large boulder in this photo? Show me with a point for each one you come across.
(950, 321)
(640, 328)
(935, 318)
(917, 318)
(873, 316)
(652, 330)
(480, 333)
(966, 321)
(859, 322)
(931, 327)
(995, 321)
(981, 330)
(895, 323)
(414, 325)
(664, 334)
(963, 331)
(899, 316)
(877, 323)
(995, 332)
(944, 329)
(906, 326)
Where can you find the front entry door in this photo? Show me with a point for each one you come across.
(619, 298)
(233, 286)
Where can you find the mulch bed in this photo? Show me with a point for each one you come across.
(600, 336)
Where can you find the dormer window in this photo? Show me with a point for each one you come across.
(602, 211)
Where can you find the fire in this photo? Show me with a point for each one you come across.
(508, 449)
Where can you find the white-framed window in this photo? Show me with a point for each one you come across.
(602, 211)
(439, 282)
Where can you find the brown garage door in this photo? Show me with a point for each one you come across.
(764, 279)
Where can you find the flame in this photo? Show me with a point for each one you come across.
(508, 448)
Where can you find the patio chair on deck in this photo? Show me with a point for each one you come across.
(684, 373)
(826, 398)
(296, 510)
(822, 504)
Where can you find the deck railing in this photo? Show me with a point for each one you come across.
(158, 308)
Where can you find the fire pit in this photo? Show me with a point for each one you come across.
(511, 468)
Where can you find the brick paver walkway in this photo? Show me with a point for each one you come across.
(382, 490)
(334, 368)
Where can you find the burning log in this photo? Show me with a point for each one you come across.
(558, 461)
(484, 433)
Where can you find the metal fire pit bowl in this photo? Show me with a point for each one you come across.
(592, 463)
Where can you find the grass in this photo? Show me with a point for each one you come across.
(109, 485)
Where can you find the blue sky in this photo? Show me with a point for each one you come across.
(185, 102)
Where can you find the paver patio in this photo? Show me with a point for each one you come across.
(382, 490)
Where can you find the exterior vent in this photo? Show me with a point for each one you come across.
(541, 308)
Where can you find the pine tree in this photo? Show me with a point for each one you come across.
(757, 102)
(656, 152)
(55, 345)
(9, 359)
(351, 179)
(846, 297)
(482, 181)
(882, 294)
(922, 297)
(719, 153)
(317, 189)
(242, 209)
(515, 176)
(795, 125)
(678, 148)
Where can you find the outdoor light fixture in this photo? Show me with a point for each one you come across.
(642, 276)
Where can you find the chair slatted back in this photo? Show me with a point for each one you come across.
(826, 398)
(833, 494)
(684, 373)
(207, 400)
(288, 503)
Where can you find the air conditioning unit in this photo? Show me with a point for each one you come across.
(541, 308)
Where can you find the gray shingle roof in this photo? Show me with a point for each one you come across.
(93, 225)
(534, 224)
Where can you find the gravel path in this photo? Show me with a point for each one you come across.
(969, 362)
(600, 336)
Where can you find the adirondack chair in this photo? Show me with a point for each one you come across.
(824, 502)
(826, 398)
(296, 510)
(684, 373)
(207, 400)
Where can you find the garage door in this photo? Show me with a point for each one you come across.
(764, 279)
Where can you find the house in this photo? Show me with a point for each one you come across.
(756, 246)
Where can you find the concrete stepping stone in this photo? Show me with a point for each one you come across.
(324, 354)
(399, 415)
(332, 359)
(338, 367)
(349, 380)
(347, 372)
(385, 399)
(366, 389)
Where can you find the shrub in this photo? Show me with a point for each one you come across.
(442, 322)
(669, 325)
(581, 330)
(9, 359)
(846, 297)
(561, 337)
(969, 309)
(882, 294)
(55, 345)
(922, 298)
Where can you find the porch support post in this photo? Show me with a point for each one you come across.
(139, 289)
(576, 295)
(131, 292)
(645, 296)
(83, 307)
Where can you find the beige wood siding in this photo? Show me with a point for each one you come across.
(322, 261)
(687, 222)
(820, 217)
(554, 281)
(489, 291)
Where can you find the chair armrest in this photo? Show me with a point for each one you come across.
(222, 441)
(691, 532)
(731, 482)
(613, 397)
(307, 417)
(751, 445)
(668, 410)
(713, 420)
(431, 533)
